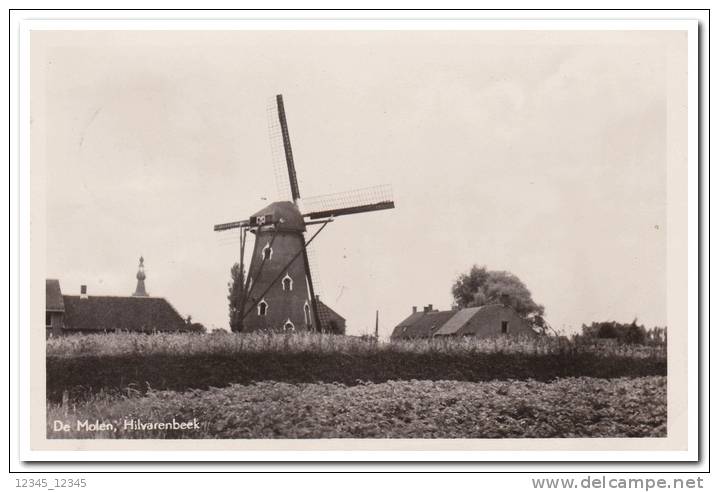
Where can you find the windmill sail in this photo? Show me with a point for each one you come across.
(231, 225)
(316, 283)
(348, 202)
(277, 149)
(291, 173)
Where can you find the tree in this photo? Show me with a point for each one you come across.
(481, 287)
(193, 327)
(626, 333)
(235, 294)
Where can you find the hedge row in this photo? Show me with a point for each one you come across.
(82, 376)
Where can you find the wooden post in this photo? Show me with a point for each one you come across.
(376, 325)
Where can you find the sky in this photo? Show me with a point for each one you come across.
(538, 153)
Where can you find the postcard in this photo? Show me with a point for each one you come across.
(392, 238)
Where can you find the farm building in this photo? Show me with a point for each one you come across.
(422, 324)
(54, 307)
(482, 322)
(331, 321)
(67, 314)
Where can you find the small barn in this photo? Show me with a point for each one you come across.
(331, 321)
(482, 322)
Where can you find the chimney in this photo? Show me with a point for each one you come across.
(424, 309)
(83, 292)
(414, 309)
(429, 308)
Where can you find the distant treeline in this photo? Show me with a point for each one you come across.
(627, 333)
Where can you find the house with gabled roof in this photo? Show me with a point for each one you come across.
(494, 320)
(422, 324)
(54, 307)
(139, 312)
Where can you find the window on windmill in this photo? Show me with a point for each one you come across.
(289, 326)
(267, 253)
(307, 313)
(262, 308)
(287, 283)
(505, 326)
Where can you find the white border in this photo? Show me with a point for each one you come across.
(330, 23)
(21, 24)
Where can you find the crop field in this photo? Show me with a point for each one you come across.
(569, 407)
(324, 386)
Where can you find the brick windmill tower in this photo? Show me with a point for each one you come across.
(278, 294)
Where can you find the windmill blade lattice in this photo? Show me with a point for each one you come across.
(348, 202)
(279, 162)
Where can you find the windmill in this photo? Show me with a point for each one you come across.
(278, 292)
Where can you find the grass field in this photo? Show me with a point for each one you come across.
(122, 344)
(79, 367)
(321, 386)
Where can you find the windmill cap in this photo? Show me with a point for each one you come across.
(285, 215)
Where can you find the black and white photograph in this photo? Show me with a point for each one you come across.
(359, 236)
